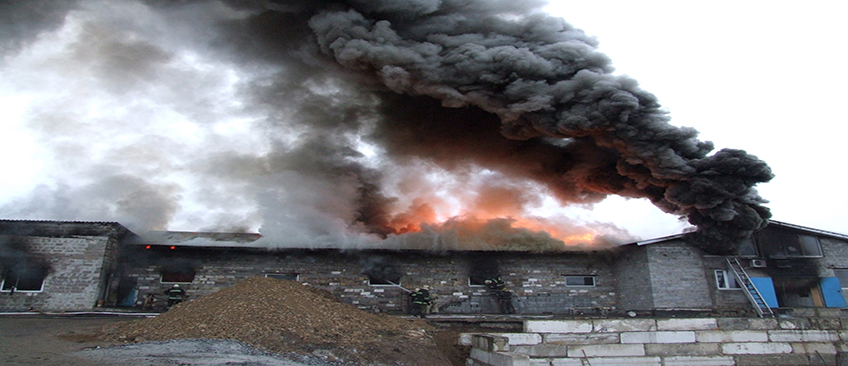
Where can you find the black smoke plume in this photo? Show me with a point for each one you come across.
(459, 84)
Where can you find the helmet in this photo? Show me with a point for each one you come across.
(176, 285)
(426, 287)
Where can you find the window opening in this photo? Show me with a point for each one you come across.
(284, 276)
(383, 281)
(580, 281)
(27, 281)
(725, 280)
(476, 281)
(181, 276)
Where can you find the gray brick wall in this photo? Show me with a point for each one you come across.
(634, 280)
(536, 280)
(678, 277)
(74, 279)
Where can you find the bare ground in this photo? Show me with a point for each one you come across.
(257, 322)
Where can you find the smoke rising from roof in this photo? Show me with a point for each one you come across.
(352, 121)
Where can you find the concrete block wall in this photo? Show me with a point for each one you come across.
(537, 281)
(664, 342)
(678, 277)
(74, 280)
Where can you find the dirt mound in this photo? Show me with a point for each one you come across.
(285, 316)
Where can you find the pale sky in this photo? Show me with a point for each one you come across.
(765, 77)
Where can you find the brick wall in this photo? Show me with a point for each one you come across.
(678, 277)
(74, 279)
(633, 280)
(536, 279)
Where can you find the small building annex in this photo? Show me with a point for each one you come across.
(80, 266)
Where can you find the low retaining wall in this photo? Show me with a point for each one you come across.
(665, 342)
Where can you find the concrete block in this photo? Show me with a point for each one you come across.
(498, 358)
(732, 323)
(624, 325)
(629, 361)
(762, 324)
(687, 324)
(606, 350)
(566, 362)
(490, 343)
(465, 339)
(658, 337)
(557, 326)
(829, 323)
(793, 323)
(541, 350)
(755, 348)
(580, 338)
(698, 361)
(829, 312)
(773, 360)
(730, 336)
(803, 336)
(543, 362)
(682, 349)
(517, 339)
(814, 348)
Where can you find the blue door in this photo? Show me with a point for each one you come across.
(832, 292)
(766, 288)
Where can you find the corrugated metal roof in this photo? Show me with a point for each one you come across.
(191, 238)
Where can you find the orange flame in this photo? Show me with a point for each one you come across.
(421, 213)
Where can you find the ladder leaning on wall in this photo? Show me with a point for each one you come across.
(751, 291)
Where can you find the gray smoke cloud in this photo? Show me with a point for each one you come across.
(351, 105)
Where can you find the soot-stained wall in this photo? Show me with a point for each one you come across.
(537, 280)
(77, 257)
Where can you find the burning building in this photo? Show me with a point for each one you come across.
(103, 264)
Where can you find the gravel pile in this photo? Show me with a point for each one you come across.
(287, 317)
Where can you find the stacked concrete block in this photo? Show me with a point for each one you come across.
(662, 342)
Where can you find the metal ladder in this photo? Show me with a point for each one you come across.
(750, 290)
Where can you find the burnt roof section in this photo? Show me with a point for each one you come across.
(63, 228)
(199, 239)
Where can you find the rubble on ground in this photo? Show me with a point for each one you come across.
(288, 317)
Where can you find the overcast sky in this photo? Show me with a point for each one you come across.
(91, 110)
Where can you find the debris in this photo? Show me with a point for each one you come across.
(283, 316)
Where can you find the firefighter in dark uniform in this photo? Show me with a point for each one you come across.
(502, 295)
(420, 302)
(175, 294)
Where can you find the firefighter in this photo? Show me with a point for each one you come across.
(420, 302)
(495, 283)
(501, 295)
(175, 294)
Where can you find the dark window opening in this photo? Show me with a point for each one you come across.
(29, 280)
(283, 276)
(747, 248)
(580, 281)
(798, 292)
(780, 244)
(181, 276)
(384, 281)
(476, 281)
